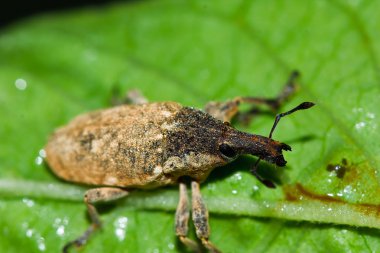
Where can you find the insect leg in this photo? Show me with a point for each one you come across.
(133, 96)
(225, 111)
(200, 218)
(275, 103)
(91, 197)
(182, 217)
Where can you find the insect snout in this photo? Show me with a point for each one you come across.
(279, 160)
(274, 153)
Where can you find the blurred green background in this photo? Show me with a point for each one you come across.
(57, 65)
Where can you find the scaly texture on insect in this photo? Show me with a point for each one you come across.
(149, 145)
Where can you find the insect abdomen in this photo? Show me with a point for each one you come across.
(121, 146)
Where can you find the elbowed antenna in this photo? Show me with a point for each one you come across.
(302, 106)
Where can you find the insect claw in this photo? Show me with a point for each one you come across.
(264, 181)
(268, 183)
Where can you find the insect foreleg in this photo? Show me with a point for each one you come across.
(182, 218)
(200, 218)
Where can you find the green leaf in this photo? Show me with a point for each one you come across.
(193, 52)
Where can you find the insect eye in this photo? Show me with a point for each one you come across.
(227, 151)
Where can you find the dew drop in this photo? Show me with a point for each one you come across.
(347, 190)
(60, 230)
(357, 109)
(238, 176)
(28, 202)
(283, 208)
(21, 84)
(370, 115)
(171, 246)
(255, 188)
(59, 224)
(121, 227)
(42, 153)
(360, 125)
(41, 244)
(25, 225)
(34, 235)
(38, 160)
(29, 232)
(266, 204)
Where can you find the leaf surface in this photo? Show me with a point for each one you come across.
(193, 52)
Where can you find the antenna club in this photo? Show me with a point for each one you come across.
(305, 105)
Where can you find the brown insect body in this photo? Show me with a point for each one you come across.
(150, 145)
(147, 145)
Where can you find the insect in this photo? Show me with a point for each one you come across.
(148, 145)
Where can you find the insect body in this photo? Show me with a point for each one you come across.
(151, 145)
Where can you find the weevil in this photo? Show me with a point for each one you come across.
(148, 145)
